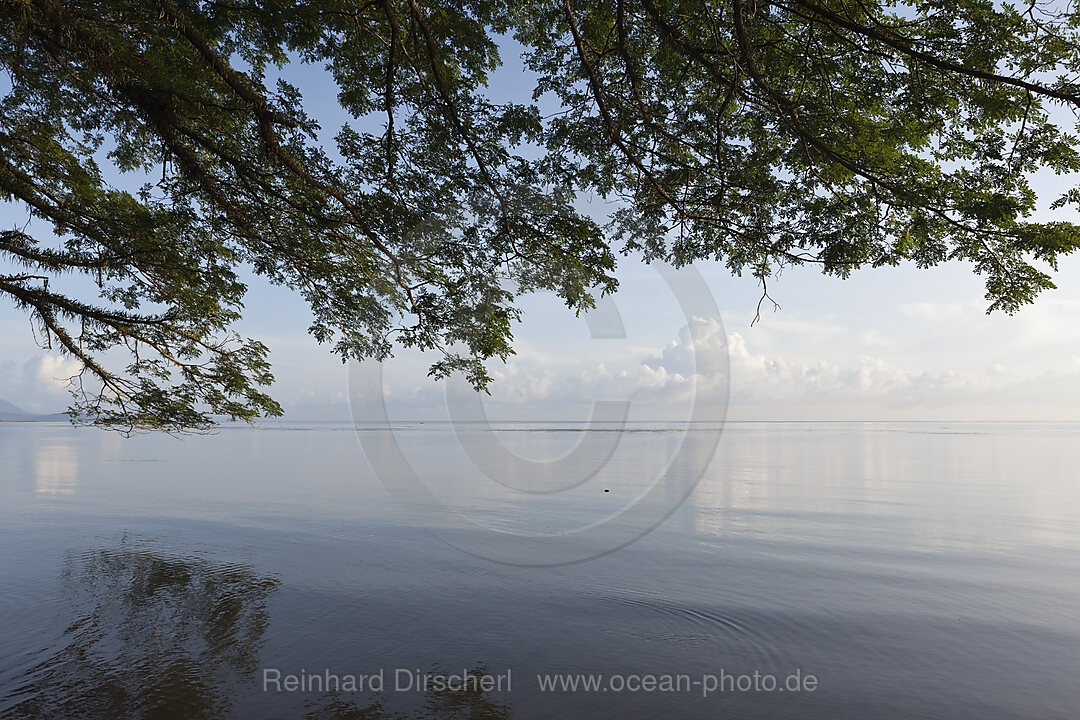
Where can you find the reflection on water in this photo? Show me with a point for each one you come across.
(155, 636)
(150, 636)
(468, 704)
(56, 469)
(916, 569)
(934, 489)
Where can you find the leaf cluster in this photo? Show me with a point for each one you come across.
(757, 133)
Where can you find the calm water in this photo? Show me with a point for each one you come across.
(917, 570)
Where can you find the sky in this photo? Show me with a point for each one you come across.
(886, 344)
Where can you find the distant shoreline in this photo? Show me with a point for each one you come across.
(42, 419)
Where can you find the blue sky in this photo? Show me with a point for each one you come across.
(891, 343)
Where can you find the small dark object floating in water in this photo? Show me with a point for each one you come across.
(606, 490)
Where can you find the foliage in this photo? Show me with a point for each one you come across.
(840, 133)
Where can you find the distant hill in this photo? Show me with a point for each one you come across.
(14, 413)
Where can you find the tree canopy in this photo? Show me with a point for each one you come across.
(156, 148)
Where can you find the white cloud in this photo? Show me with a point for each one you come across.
(780, 386)
(702, 343)
(52, 373)
(38, 384)
(940, 312)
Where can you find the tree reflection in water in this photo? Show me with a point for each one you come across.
(160, 637)
(471, 704)
(154, 636)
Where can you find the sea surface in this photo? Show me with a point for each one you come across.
(813, 570)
